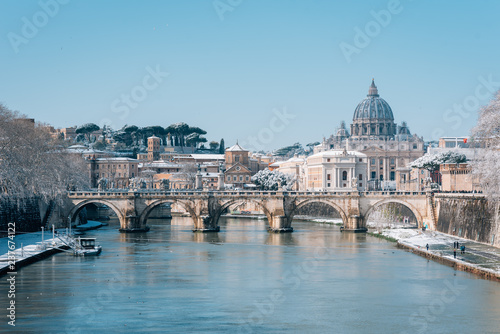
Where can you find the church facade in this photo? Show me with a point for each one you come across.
(389, 147)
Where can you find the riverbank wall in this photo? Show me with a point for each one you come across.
(454, 263)
(468, 216)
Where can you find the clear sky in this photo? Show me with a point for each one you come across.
(234, 65)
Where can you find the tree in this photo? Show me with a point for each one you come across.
(290, 150)
(273, 180)
(486, 139)
(431, 162)
(32, 163)
(87, 129)
(311, 145)
(222, 147)
(179, 131)
(214, 146)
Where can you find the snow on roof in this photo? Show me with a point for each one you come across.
(335, 153)
(116, 159)
(236, 148)
(276, 164)
(295, 159)
(208, 156)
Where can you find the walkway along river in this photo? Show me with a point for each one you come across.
(245, 280)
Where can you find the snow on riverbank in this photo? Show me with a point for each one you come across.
(91, 224)
(477, 255)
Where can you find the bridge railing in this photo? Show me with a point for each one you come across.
(247, 193)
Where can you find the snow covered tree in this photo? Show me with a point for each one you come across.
(32, 163)
(431, 162)
(486, 137)
(273, 180)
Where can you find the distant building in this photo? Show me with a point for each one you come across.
(154, 148)
(388, 146)
(336, 170)
(118, 171)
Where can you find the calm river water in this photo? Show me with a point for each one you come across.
(245, 280)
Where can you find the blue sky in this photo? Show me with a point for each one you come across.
(233, 64)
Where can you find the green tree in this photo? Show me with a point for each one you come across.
(222, 147)
(87, 129)
(214, 146)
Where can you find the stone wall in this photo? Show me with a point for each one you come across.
(24, 212)
(469, 217)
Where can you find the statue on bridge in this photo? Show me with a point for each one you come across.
(102, 184)
(354, 183)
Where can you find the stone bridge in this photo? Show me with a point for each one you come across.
(205, 207)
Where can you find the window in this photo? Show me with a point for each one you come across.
(381, 177)
(328, 177)
(344, 175)
(119, 174)
(97, 175)
(392, 161)
(247, 178)
(381, 161)
(241, 177)
(328, 185)
(374, 175)
(235, 178)
(393, 176)
(360, 160)
(237, 158)
(414, 146)
(328, 160)
(132, 174)
(360, 177)
(97, 167)
(361, 185)
(373, 162)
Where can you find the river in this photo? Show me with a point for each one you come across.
(245, 280)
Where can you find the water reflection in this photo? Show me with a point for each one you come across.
(173, 280)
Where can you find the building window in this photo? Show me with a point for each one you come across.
(381, 177)
(241, 177)
(374, 175)
(247, 178)
(132, 174)
(381, 161)
(344, 175)
(237, 158)
(361, 185)
(392, 161)
(97, 166)
(328, 184)
(328, 160)
(373, 162)
(360, 160)
(393, 176)
(360, 177)
(414, 146)
(235, 178)
(97, 175)
(328, 177)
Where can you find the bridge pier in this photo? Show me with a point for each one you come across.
(354, 225)
(132, 224)
(205, 223)
(279, 224)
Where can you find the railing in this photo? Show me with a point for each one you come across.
(157, 193)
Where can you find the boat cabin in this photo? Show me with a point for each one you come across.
(87, 243)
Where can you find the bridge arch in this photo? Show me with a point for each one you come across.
(319, 200)
(189, 207)
(230, 202)
(78, 207)
(414, 210)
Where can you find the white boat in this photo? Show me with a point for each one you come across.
(86, 247)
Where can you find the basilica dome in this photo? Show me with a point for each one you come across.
(373, 107)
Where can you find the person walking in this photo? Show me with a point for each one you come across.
(455, 253)
(427, 246)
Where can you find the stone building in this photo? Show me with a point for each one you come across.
(154, 144)
(388, 146)
(117, 171)
(335, 170)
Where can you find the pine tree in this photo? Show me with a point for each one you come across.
(222, 147)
